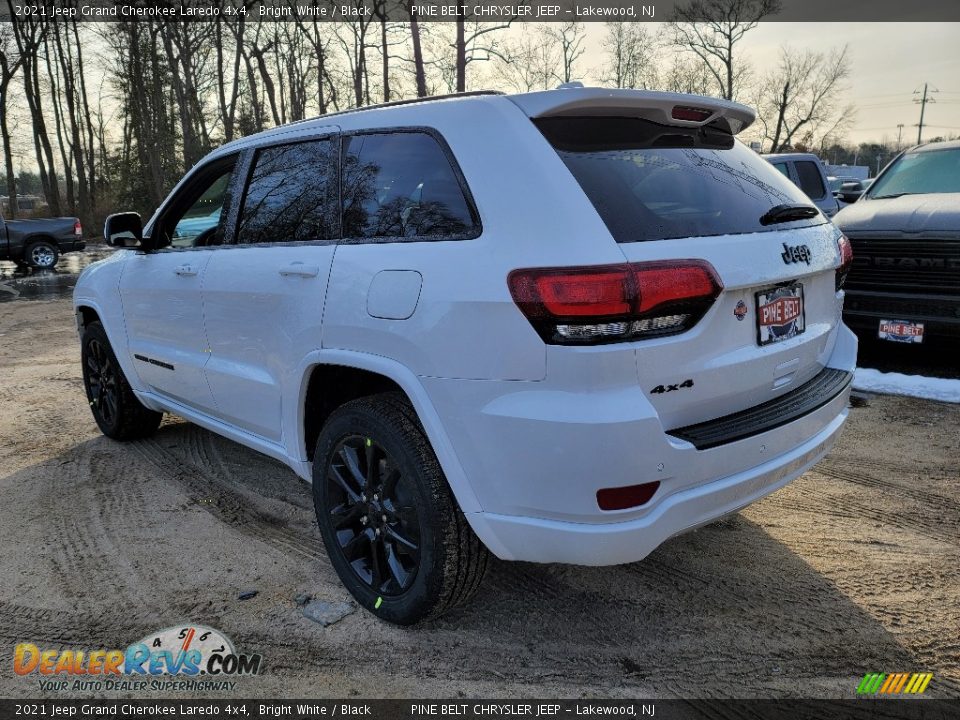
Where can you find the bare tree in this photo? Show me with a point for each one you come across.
(10, 62)
(712, 29)
(631, 50)
(799, 99)
(686, 75)
(569, 38)
(529, 63)
(29, 34)
(472, 43)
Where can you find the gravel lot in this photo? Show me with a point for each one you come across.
(851, 569)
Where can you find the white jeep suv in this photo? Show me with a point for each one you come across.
(562, 326)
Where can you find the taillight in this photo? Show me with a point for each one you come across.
(78, 229)
(612, 303)
(846, 259)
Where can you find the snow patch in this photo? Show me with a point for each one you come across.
(918, 386)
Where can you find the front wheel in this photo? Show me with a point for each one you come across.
(392, 529)
(42, 255)
(118, 413)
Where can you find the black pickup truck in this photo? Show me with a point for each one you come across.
(39, 243)
(904, 285)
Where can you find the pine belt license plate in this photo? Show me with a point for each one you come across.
(780, 314)
(902, 331)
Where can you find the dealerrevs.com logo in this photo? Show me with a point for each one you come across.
(193, 657)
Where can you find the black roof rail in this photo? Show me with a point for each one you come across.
(396, 103)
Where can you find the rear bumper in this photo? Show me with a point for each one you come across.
(71, 245)
(535, 457)
(536, 540)
(940, 314)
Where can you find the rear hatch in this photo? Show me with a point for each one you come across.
(738, 272)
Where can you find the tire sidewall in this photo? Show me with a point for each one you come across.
(416, 602)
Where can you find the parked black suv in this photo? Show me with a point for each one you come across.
(904, 285)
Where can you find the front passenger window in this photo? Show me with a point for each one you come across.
(195, 217)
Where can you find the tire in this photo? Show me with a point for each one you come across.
(396, 536)
(118, 413)
(42, 255)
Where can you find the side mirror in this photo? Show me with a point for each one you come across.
(123, 230)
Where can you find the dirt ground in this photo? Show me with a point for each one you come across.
(853, 568)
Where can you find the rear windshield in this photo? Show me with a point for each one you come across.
(655, 182)
(930, 171)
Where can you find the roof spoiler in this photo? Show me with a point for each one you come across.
(665, 108)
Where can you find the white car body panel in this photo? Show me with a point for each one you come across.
(526, 432)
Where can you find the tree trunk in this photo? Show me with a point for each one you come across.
(418, 57)
(461, 47)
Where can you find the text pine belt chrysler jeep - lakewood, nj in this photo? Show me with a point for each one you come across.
(562, 326)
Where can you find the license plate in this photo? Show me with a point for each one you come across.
(780, 313)
(902, 331)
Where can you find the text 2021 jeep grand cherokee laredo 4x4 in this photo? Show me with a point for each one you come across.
(559, 327)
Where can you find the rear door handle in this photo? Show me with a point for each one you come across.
(186, 270)
(298, 268)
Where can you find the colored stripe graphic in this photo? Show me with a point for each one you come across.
(894, 683)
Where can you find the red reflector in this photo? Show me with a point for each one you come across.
(690, 113)
(630, 496)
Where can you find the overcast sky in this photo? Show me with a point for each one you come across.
(888, 62)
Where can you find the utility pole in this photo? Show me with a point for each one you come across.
(923, 106)
(899, 135)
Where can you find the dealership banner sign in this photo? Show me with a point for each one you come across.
(447, 11)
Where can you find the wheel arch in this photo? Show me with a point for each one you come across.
(370, 374)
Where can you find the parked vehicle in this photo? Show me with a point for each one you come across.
(807, 173)
(562, 326)
(905, 282)
(847, 189)
(39, 243)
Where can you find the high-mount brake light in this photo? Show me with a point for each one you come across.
(613, 303)
(846, 259)
(690, 113)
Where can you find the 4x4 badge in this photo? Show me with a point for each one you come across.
(796, 253)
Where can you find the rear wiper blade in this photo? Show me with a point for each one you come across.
(786, 213)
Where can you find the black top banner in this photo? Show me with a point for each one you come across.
(474, 10)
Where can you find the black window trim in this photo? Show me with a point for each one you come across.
(457, 172)
(329, 132)
(199, 171)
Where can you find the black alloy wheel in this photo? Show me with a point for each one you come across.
(374, 517)
(103, 383)
(389, 521)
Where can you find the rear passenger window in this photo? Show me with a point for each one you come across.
(292, 195)
(402, 185)
(810, 180)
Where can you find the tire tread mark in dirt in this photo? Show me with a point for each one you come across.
(851, 509)
(227, 505)
(852, 471)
